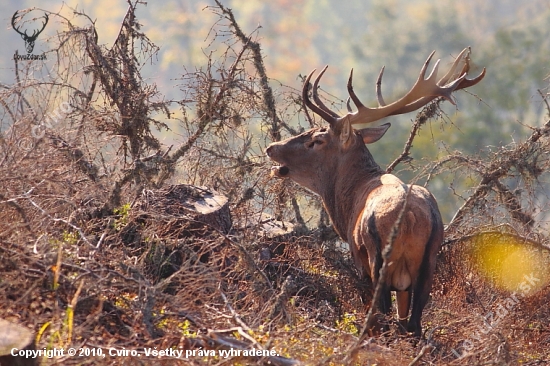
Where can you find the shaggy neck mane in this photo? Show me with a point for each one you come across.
(345, 194)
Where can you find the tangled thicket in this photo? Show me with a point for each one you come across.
(88, 257)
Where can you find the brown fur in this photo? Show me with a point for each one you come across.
(363, 204)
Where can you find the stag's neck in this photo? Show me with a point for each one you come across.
(345, 197)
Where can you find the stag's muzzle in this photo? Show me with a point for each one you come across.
(279, 171)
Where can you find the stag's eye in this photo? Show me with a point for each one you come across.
(312, 143)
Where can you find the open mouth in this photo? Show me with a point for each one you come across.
(279, 171)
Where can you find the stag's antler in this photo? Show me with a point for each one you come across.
(462, 58)
(423, 91)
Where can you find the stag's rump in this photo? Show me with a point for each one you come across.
(380, 214)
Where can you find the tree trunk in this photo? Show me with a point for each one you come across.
(196, 203)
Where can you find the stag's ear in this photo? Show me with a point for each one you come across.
(373, 134)
(346, 132)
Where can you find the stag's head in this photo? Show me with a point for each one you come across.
(16, 22)
(320, 152)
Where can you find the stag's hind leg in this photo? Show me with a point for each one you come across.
(423, 286)
(379, 323)
(421, 292)
(384, 305)
(403, 306)
(421, 295)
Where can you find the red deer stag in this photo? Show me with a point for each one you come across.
(364, 202)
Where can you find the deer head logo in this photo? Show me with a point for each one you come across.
(17, 21)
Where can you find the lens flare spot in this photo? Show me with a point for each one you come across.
(510, 262)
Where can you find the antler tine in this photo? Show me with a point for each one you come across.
(452, 71)
(305, 97)
(352, 94)
(430, 83)
(422, 74)
(466, 69)
(462, 56)
(466, 83)
(348, 105)
(381, 101)
(315, 94)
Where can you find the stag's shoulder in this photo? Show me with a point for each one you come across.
(391, 192)
(391, 180)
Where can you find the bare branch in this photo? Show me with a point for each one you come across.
(426, 113)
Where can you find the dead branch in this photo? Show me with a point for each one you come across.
(267, 92)
(522, 157)
(427, 348)
(426, 113)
